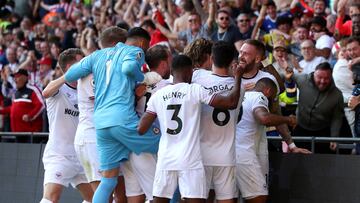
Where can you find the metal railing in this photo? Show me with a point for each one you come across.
(314, 140)
(32, 135)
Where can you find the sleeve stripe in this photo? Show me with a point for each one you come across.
(151, 112)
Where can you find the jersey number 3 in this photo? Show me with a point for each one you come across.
(176, 108)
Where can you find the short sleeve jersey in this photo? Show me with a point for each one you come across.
(250, 135)
(86, 129)
(178, 108)
(63, 114)
(217, 126)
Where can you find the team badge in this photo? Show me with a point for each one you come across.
(58, 175)
(156, 130)
(139, 56)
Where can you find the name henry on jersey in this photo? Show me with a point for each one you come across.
(71, 112)
(177, 95)
(218, 88)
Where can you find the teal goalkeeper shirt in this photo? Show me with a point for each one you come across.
(116, 71)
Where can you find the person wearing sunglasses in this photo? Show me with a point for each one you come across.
(226, 31)
(244, 25)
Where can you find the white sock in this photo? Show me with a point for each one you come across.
(43, 200)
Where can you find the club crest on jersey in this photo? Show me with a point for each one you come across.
(92, 83)
(156, 130)
(138, 56)
(58, 175)
(76, 106)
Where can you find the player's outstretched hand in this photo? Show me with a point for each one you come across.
(238, 70)
(298, 150)
(151, 78)
(292, 121)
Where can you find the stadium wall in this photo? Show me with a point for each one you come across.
(293, 178)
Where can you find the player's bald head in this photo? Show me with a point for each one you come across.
(265, 83)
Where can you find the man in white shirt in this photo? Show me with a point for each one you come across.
(310, 61)
(178, 108)
(60, 161)
(251, 143)
(324, 42)
(217, 126)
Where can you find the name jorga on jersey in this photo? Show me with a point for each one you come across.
(218, 88)
(177, 95)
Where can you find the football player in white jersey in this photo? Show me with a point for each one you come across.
(251, 142)
(140, 169)
(85, 139)
(251, 53)
(178, 108)
(60, 161)
(217, 126)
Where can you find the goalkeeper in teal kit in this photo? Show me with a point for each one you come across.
(116, 71)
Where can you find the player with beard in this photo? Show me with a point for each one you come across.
(250, 56)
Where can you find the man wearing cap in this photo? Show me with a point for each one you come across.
(318, 32)
(46, 73)
(26, 108)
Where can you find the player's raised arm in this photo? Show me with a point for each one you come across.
(231, 100)
(81, 68)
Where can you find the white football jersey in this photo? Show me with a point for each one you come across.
(250, 135)
(86, 130)
(150, 90)
(63, 114)
(178, 108)
(217, 126)
(259, 75)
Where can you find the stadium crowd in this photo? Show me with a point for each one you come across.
(130, 60)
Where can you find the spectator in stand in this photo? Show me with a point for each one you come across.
(270, 19)
(356, 25)
(225, 30)
(320, 106)
(343, 78)
(195, 29)
(341, 27)
(319, 8)
(156, 36)
(180, 23)
(300, 35)
(319, 33)
(46, 72)
(310, 61)
(26, 108)
(245, 28)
